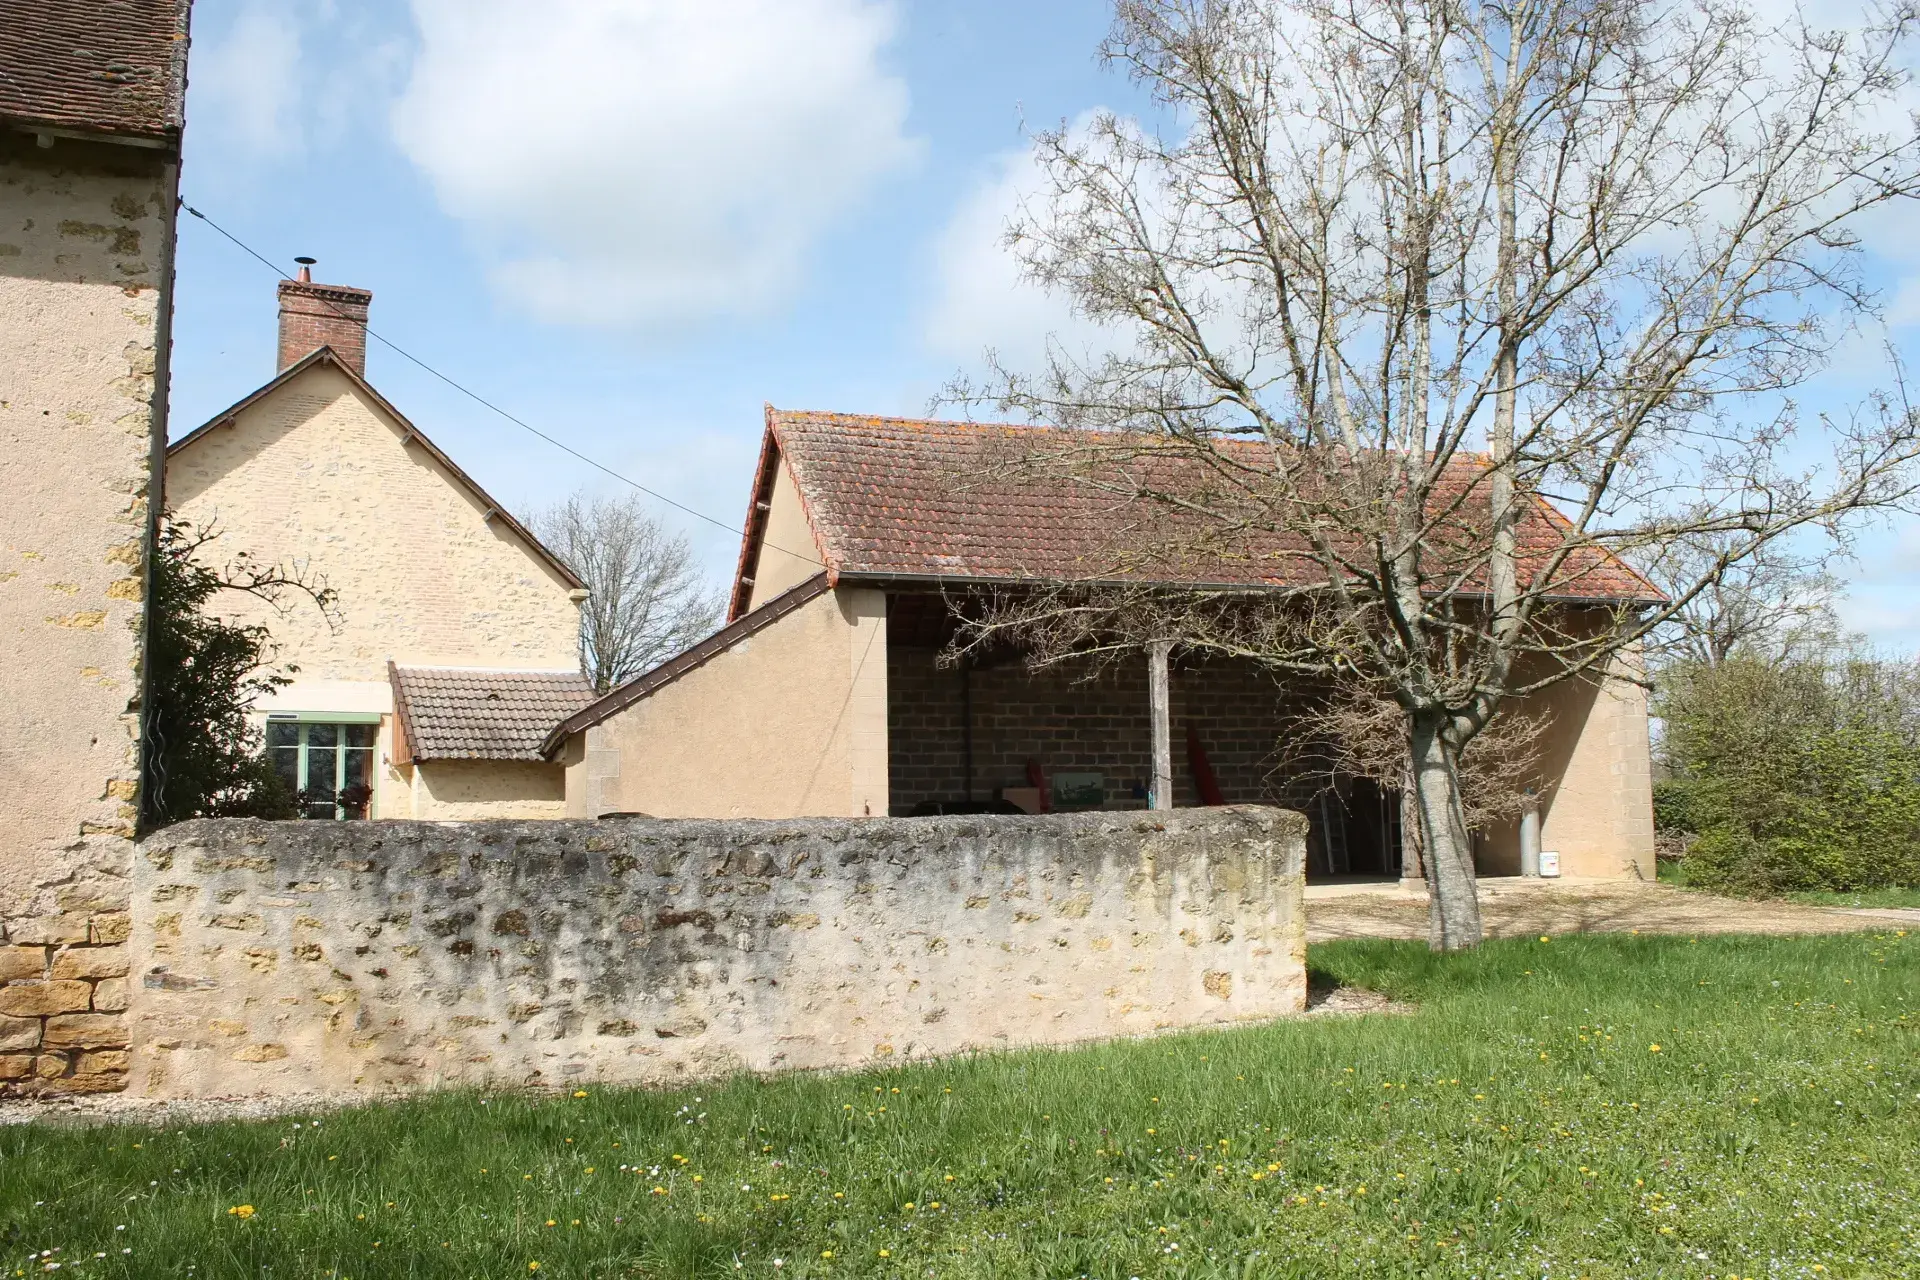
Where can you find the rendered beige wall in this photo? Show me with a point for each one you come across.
(788, 556)
(791, 722)
(468, 790)
(1595, 762)
(278, 957)
(318, 474)
(84, 238)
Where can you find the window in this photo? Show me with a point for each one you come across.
(328, 764)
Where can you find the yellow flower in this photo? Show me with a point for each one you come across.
(1653, 1048)
(826, 1253)
(552, 1223)
(241, 1211)
(579, 1093)
(886, 1253)
(1545, 938)
(907, 1207)
(533, 1266)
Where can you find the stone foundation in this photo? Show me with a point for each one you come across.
(360, 956)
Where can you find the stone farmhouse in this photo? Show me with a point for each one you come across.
(90, 123)
(824, 695)
(452, 647)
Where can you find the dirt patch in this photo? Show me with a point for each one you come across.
(1519, 908)
(1325, 999)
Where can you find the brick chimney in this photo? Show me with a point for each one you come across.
(323, 315)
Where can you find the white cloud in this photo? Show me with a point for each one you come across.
(981, 301)
(652, 162)
(246, 81)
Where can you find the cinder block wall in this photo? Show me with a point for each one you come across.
(354, 956)
(1071, 723)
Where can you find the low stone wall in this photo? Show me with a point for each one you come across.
(373, 956)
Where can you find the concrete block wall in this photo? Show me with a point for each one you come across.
(369, 957)
(1072, 723)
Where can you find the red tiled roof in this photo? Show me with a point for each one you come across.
(466, 713)
(117, 67)
(907, 498)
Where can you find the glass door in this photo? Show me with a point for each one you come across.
(329, 765)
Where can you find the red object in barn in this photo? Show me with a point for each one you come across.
(1204, 781)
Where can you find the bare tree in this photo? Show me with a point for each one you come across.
(1439, 311)
(1776, 604)
(649, 599)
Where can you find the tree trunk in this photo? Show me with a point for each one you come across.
(1453, 904)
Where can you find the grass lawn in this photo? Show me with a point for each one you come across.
(1589, 1106)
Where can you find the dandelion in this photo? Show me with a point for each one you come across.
(241, 1211)
(533, 1266)
(1653, 1048)
(827, 1253)
(579, 1093)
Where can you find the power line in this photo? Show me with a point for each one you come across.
(479, 399)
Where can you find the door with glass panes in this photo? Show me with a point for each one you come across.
(327, 763)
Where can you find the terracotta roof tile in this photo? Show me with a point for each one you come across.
(99, 66)
(467, 713)
(912, 498)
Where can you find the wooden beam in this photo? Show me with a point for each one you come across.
(1161, 791)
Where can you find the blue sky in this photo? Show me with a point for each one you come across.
(839, 279)
(633, 222)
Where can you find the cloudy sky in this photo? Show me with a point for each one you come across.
(633, 222)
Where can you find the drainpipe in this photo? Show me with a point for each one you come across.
(1530, 839)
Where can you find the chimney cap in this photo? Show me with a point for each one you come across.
(306, 269)
(306, 261)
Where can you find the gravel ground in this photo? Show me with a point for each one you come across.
(1514, 908)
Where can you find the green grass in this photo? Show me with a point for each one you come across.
(1859, 898)
(1519, 1124)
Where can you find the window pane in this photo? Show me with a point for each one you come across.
(361, 735)
(357, 791)
(322, 763)
(286, 763)
(283, 733)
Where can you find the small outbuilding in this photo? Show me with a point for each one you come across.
(831, 690)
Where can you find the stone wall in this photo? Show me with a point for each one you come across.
(85, 241)
(297, 956)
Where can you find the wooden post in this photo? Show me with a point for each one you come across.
(1160, 793)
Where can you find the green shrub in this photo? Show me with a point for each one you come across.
(1792, 776)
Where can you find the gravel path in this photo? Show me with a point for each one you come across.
(1515, 908)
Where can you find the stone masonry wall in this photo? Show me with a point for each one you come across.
(85, 231)
(362, 956)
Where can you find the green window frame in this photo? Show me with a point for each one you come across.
(327, 760)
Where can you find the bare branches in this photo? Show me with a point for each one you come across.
(648, 598)
(1436, 315)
